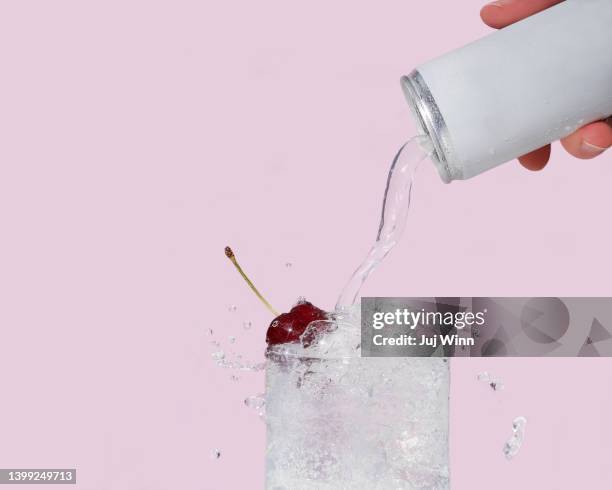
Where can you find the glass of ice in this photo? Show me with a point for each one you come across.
(336, 420)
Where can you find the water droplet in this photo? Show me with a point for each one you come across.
(253, 367)
(232, 308)
(247, 325)
(496, 385)
(210, 331)
(288, 265)
(218, 356)
(274, 323)
(519, 423)
(580, 121)
(215, 454)
(232, 340)
(257, 403)
(300, 300)
(234, 377)
(513, 445)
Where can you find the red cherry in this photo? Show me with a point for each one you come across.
(288, 327)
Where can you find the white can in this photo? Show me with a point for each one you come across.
(517, 89)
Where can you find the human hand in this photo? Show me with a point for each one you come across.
(589, 141)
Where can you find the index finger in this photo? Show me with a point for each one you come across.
(502, 13)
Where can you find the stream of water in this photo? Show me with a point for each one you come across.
(394, 216)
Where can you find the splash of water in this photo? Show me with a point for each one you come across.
(513, 445)
(396, 204)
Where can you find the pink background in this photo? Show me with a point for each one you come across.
(137, 138)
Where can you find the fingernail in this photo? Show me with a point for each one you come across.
(590, 149)
(501, 3)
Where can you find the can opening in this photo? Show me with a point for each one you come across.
(429, 120)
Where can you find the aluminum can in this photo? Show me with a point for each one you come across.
(515, 90)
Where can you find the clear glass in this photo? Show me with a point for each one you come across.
(353, 422)
(336, 420)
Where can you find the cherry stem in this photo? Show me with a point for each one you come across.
(230, 255)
